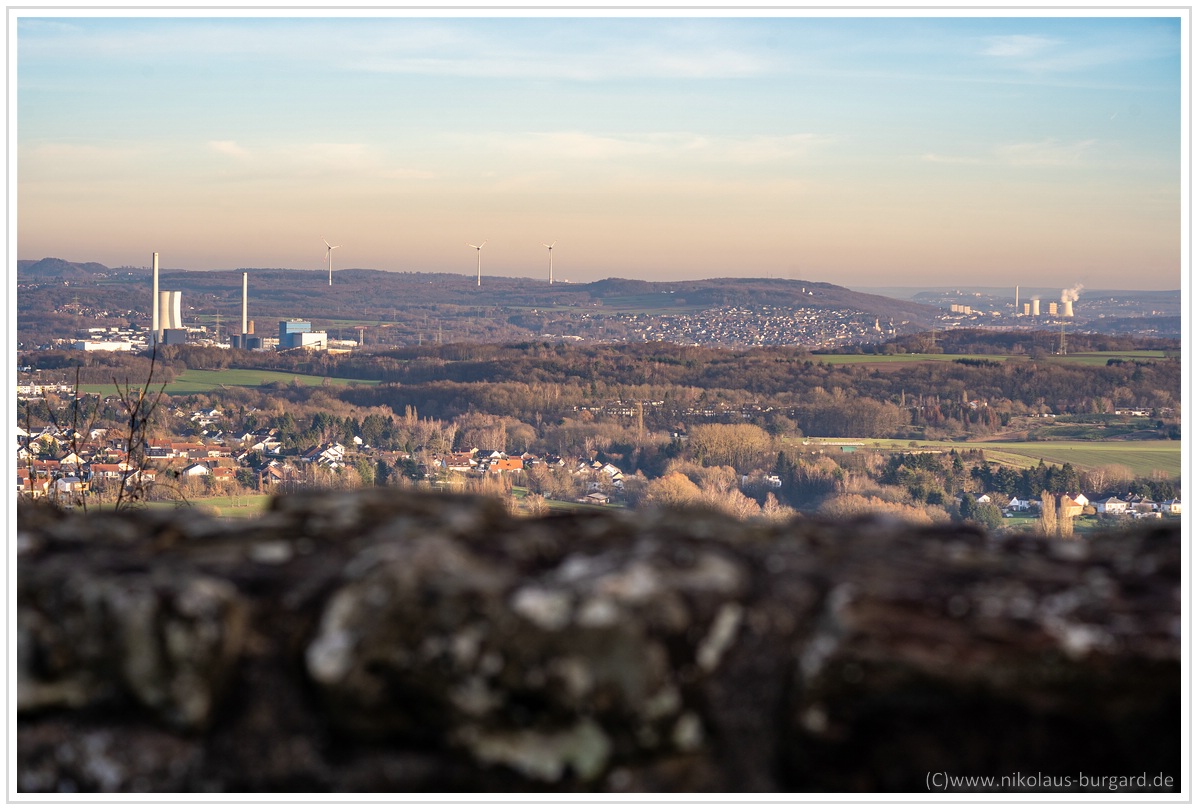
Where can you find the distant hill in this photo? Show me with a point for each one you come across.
(305, 293)
(405, 307)
(59, 268)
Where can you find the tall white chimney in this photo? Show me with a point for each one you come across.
(245, 287)
(154, 326)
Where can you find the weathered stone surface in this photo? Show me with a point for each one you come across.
(387, 641)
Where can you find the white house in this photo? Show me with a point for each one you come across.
(1110, 506)
(1017, 504)
(195, 470)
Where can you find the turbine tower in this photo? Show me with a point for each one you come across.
(329, 256)
(550, 259)
(479, 249)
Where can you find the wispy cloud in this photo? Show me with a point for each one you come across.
(229, 149)
(1045, 153)
(659, 145)
(1019, 46)
(959, 160)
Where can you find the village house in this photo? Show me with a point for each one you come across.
(1068, 507)
(1110, 506)
(1017, 504)
(505, 465)
(329, 454)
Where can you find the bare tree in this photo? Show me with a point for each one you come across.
(139, 405)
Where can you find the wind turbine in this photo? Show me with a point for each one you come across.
(550, 259)
(329, 255)
(479, 248)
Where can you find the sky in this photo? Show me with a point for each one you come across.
(859, 150)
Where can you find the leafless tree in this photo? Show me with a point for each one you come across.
(139, 404)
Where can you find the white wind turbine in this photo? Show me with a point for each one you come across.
(479, 249)
(329, 255)
(550, 259)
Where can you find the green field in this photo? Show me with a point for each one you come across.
(196, 381)
(1143, 458)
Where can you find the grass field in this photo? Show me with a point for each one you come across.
(1141, 457)
(196, 381)
(238, 506)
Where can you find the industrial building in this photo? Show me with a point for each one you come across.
(297, 334)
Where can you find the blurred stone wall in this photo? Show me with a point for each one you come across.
(387, 641)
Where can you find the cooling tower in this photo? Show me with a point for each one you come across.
(1068, 305)
(1036, 307)
(170, 307)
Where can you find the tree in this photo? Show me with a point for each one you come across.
(1047, 525)
(987, 515)
(1064, 521)
(673, 489)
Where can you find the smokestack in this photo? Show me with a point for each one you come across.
(245, 286)
(1016, 299)
(154, 326)
(1036, 307)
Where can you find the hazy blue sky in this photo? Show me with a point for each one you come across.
(863, 151)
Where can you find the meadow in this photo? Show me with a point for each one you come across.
(1143, 458)
(198, 381)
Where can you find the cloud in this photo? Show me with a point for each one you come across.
(1020, 46)
(661, 145)
(229, 148)
(1046, 153)
(932, 157)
